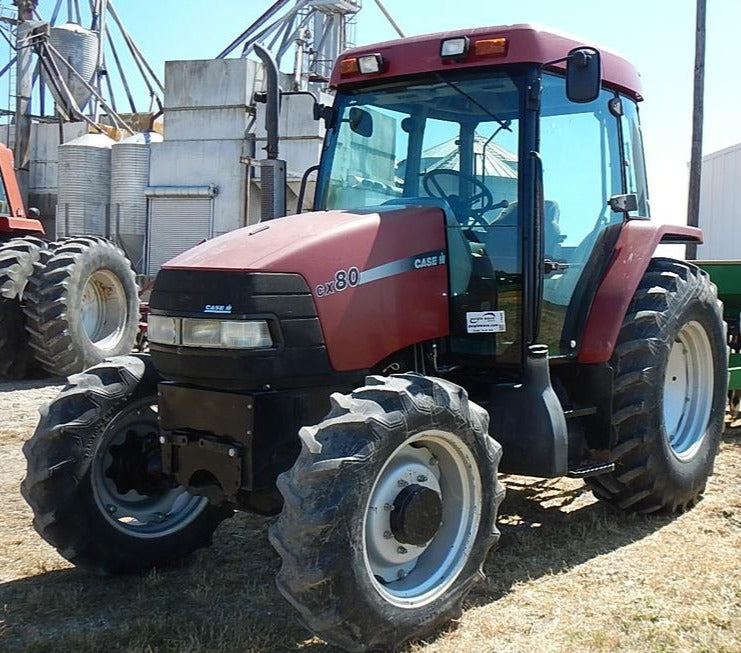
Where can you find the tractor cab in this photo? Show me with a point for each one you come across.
(521, 165)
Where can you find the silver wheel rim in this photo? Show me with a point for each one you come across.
(103, 309)
(411, 576)
(144, 516)
(688, 390)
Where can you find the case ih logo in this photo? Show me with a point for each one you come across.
(429, 261)
(224, 309)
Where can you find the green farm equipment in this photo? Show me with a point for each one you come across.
(726, 275)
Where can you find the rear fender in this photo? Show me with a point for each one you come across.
(633, 252)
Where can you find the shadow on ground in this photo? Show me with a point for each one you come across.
(732, 436)
(548, 528)
(30, 384)
(226, 599)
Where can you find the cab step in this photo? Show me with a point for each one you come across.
(591, 468)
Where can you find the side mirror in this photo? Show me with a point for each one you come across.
(324, 112)
(361, 122)
(583, 75)
(34, 213)
(623, 203)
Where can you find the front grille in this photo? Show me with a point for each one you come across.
(299, 357)
(247, 294)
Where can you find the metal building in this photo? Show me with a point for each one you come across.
(720, 199)
(204, 177)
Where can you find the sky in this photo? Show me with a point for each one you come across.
(657, 36)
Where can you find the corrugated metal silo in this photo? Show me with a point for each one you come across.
(84, 186)
(129, 180)
(79, 46)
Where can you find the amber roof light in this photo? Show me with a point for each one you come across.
(491, 47)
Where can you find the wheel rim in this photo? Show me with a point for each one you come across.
(104, 309)
(408, 575)
(688, 390)
(128, 454)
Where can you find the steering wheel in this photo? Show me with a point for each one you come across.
(462, 207)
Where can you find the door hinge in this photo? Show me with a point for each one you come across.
(549, 267)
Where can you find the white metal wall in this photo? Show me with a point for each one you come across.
(175, 225)
(720, 205)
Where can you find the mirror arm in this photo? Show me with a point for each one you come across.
(571, 56)
(553, 62)
(320, 111)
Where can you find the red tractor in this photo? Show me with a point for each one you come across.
(64, 305)
(20, 247)
(475, 293)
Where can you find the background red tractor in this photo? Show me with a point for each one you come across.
(64, 305)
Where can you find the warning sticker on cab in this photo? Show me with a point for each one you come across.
(485, 322)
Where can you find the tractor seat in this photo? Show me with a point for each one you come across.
(501, 238)
(509, 217)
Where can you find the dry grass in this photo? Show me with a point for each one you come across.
(569, 575)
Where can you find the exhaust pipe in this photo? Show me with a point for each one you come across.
(272, 169)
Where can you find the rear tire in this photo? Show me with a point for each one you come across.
(93, 478)
(350, 566)
(82, 305)
(671, 370)
(17, 258)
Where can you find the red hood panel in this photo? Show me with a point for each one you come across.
(379, 279)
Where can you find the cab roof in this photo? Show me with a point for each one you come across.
(526, 44)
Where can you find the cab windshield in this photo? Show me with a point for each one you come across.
(453, 138)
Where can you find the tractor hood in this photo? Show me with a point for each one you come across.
(378, 278)
(327, 240)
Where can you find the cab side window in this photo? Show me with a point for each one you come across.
(635, 166)
(582, 169)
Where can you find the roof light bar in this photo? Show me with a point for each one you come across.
(455, 48)
(349, 67)
(491, 47)
(370, 64)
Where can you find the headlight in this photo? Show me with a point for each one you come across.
(165, 330)
(245, 335)
(197, 332)
(201, 333)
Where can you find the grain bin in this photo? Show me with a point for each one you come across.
(84, 186)
(79, 46)
(129, 180)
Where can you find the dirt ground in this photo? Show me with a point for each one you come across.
(569, 575)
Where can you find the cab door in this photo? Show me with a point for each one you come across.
(485, 250)
(582, 168)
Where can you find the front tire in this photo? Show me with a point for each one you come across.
(671, 372)
(94, 477)
(389, 512)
